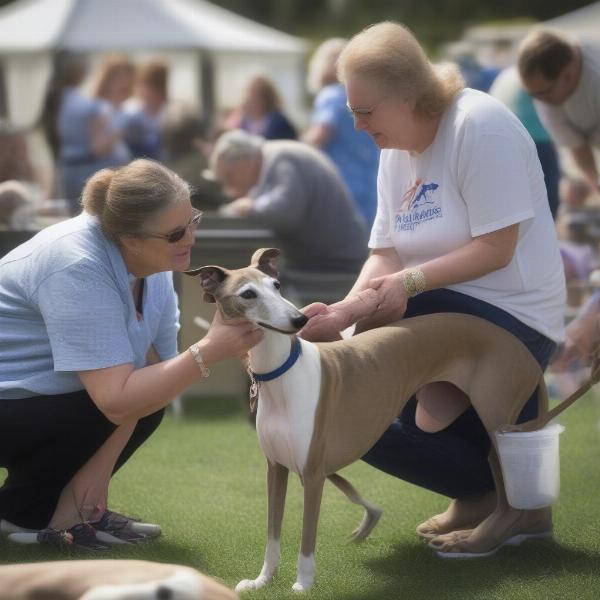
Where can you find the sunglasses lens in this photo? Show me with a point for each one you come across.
(176, 235)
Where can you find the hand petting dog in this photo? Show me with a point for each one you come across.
(379, 304)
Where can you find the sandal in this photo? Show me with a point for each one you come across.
(125, 529)
(81, 537)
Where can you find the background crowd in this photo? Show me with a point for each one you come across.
(121, 110)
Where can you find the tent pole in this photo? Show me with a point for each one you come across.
(3, 107)
(207, 86)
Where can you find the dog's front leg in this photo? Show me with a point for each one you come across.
(313, 492)
(277, 478)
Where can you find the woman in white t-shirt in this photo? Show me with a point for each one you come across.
(462, 225)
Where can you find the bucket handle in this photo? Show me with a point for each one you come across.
(543, 420)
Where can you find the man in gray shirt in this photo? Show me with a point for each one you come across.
(295, 190)
(564, 79)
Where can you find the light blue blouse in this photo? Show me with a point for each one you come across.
(353, 152)
(66, 306)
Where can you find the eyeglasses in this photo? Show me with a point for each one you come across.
(177, 234)
(546, 88)
(363, 112)
(543, 93)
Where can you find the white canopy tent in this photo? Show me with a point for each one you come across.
(497, 44)
(583, 23)
(207, 47)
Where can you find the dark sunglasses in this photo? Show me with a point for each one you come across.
(177, 234)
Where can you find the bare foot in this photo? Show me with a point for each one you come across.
(506, 526)
(463, 513)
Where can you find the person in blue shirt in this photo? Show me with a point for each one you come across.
(88, 353)
(75, 128)
(332, 130)
(144, 114)
(261, 113)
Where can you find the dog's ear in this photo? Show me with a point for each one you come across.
(264, 260)
(211, 278)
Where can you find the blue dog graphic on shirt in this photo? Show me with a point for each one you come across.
(424, 195)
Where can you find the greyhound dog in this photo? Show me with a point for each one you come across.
(108, 580)
(322, 406)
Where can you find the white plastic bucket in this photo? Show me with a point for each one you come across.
(531, 466)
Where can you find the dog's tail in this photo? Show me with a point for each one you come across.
(372, 512)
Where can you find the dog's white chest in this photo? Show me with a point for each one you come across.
(286, 411)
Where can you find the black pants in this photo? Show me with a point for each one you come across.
(454, 461)
(44, 441)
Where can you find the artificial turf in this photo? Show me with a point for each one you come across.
(203, 479)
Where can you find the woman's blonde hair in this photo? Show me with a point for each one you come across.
(322, 65)
(123, 199)
(389, 55)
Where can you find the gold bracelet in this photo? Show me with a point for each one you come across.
(414, 282)
(195, 352)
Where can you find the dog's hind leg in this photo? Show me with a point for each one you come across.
(372, 512)
(277, 478)
(313, 492)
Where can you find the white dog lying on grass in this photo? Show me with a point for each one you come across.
(108, 580)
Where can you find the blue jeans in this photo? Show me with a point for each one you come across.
(452, 461)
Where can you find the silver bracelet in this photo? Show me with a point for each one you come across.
(195, 352)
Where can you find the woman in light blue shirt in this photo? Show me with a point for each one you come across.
(353, 152)
(85, 133)
(88, 354)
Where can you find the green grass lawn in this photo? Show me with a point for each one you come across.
(202, 479)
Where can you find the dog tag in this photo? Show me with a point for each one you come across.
(254, 387)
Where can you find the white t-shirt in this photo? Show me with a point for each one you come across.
(480, 174)
(576, 122)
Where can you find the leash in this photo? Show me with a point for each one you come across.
(257, 378)
(543, 420)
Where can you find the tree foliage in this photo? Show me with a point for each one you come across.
(434, 21)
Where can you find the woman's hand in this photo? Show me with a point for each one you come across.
(582, 340)
(241, 207)
(392, 298)
(316, 308)
(325, 322)
(231, 339)
(90, 493)
(85, 497)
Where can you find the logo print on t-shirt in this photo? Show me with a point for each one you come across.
(416, 206)
(412, 199)
(424, 195)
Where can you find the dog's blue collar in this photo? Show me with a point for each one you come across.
(295, 352)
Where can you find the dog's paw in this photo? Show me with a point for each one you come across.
(251, 584)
